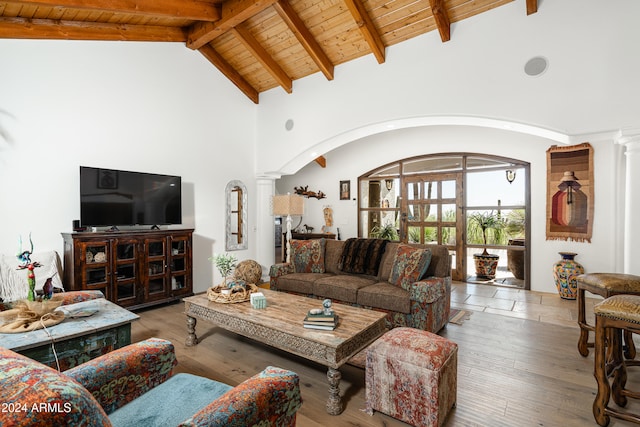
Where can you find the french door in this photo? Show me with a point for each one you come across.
(431, 213)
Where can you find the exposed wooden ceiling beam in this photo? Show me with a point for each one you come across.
(21, 28)
(364, 22)
(532, 6)
(234, 12)
(305, 37)
(197, 10)
(225, 68)
(267, 61)
(321, 161)
(439, 11)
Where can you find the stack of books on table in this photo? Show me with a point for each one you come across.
(327, 322)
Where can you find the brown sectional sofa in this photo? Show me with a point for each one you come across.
(424, 305)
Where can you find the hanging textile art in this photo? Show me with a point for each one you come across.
(570, 192)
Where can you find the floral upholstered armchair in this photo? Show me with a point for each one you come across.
(134, 386)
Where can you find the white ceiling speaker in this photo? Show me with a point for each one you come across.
(288, 125)
(536, 66)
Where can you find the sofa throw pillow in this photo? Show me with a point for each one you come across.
(307, 256)
(362, 256)
(409, 265)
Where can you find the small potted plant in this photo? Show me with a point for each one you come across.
(225, 263)
(482, 225)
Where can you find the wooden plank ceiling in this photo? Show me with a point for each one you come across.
(257, 44)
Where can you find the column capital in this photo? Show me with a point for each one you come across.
(268, 176)
(629, 137)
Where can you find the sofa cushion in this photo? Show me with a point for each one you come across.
(440, 265)
(300, 282)
(386, 264)
(409, 266)
(170, 403)
(332, 254)
(307, 256)
(386, 296)
(342, 287)
(362, 256)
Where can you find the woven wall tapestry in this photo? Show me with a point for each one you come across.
(570, 192)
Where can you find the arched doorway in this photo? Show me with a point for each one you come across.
(434, 199)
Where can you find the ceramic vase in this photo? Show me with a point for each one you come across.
(486, 265)
(565, 272)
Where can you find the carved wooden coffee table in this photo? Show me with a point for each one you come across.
(280, 325)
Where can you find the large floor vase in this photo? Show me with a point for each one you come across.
(565, 272)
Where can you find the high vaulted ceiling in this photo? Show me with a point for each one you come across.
(257, 44)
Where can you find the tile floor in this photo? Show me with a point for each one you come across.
(539, 306)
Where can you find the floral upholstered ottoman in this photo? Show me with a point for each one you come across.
(411, 375)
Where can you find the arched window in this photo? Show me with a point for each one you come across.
(441, 199)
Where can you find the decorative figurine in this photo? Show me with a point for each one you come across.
(327, 307)
(304, 191)
(47, 288)
(25, 258)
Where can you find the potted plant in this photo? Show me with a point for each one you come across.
(225, 263)
(482, 225)
(386, 232)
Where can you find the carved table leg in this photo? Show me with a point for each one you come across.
(334, 403)
(192, 339)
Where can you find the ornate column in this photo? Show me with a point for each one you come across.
(631, 141)
(265, 229)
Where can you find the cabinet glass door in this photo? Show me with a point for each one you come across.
(126, 277)
(94, 260)
(178, 271)
(156, 269)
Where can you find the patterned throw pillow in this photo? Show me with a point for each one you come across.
(409, 265)
(307, 256)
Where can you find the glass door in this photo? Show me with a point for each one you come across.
(95, 266)
(156, 269)
(126, 278)
(430, 214)
(179, 272)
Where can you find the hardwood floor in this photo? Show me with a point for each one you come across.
(511, 371)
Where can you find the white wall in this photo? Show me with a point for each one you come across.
(590, 85)
(148, 107)
(354, 159)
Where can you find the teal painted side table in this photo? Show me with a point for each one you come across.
(76, 339)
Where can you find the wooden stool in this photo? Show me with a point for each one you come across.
(614, 315)
(606, 285)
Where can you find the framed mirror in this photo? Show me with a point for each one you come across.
(236, 216)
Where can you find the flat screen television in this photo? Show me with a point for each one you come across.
(110, 197)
